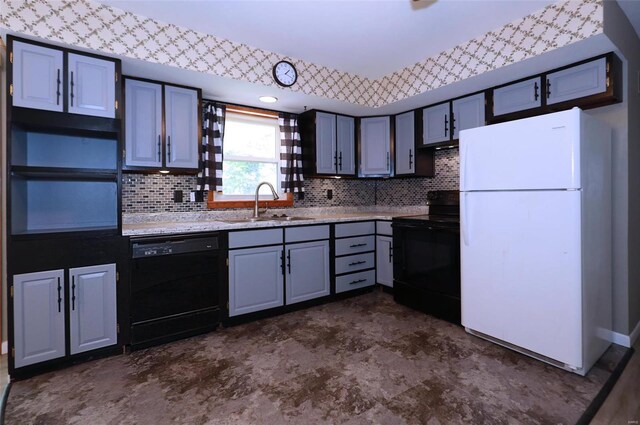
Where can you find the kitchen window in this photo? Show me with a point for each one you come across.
(251, 154)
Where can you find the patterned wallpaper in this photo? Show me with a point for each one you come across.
(113, 31)
(146, 193)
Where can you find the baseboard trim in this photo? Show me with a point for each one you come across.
(5, 347)
(626, 340)
(635, 334)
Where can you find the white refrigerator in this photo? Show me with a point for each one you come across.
(535, 230)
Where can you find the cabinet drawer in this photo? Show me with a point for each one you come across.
(355, 229)
(306, 233)
(355, 245)
(255, 238)
(353, 281)
(354, 263)
(384, 228)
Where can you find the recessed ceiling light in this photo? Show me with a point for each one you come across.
(268, 99)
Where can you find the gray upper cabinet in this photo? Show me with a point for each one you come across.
(345, 132)
(578, 81)
(375, 146)
(256, 279)
(92, 313)
(37, 77)
(307, 271)
(181, 120)
(405, 143)
(326, 159)
(517, 97)
(38, 317)
(161, 134)
(92, 89)
(467, 112)
(436, 124)
(143, 123)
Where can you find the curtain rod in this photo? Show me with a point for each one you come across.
(249, 107)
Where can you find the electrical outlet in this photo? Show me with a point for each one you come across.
(192, 197)
(177, 196)
(329, 194)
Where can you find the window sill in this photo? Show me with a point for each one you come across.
(212, 203)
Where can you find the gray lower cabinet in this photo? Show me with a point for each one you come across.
(384, 260)
(307, 271)
(92, 316)
(37, 77)
(355, 255)
(38, 312)
(256, 280)
(40, 333)
(517, 97)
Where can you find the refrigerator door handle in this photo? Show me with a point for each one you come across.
(464, 218)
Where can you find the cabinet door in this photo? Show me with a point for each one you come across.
(38, 317)
(345, 129)
(517, 97)
(325, 143)
(37, 77)
(92, 316)
(307, 271)
(255, 279)
(92, 86)
(468, 112)
(384, 260)
(436, 124)
(578, 81)
(375, 146)
(405, 143)
(181, 118)
(143, 124)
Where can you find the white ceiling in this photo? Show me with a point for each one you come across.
(367, 37)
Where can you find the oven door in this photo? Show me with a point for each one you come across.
(426, 268)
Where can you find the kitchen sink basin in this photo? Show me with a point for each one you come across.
(264, 218)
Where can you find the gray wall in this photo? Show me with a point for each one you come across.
(627, 176)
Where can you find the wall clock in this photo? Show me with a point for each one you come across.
(285, 73)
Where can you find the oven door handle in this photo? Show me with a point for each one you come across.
(422, 227)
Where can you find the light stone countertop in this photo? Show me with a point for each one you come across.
(150, 224)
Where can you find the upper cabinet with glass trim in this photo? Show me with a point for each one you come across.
(161, 134)
(38, 80)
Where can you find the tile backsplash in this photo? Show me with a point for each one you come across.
(150, 193)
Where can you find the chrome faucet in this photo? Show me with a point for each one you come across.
(256, 212)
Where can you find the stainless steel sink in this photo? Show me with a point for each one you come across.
(264, 218)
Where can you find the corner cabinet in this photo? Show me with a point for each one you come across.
(375, 147)
(161, 133)
(38, 81)
(40, 303)
(410, 161)
(328, 144)
(442, 123)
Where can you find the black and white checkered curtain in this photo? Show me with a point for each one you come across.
(290, 154)
(210, 175)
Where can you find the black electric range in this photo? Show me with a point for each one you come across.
(426, 266)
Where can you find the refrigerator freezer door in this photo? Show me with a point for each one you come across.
(535, 153)
(521, 275)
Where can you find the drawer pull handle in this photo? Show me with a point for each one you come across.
(59, 297)
(355, 263)
(73, 292)
(353, 282)
(357, 245)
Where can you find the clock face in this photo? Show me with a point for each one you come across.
(285, 73)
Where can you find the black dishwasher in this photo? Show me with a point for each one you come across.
(175, 290)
